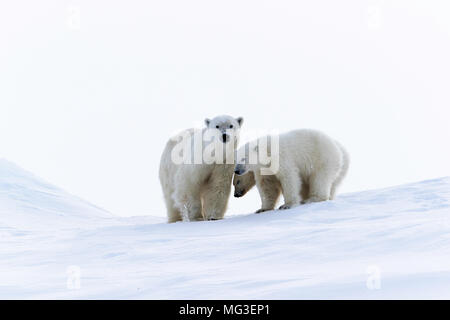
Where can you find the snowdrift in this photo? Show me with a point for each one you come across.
(27, 201)
(389, 243)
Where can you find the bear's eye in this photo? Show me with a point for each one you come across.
(217, 127)
(231, 126)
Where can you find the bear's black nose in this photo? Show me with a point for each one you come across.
(224, 137)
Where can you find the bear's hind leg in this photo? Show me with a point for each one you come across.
(333, 192)
(304, 193)
(342, 173)
(319, 187)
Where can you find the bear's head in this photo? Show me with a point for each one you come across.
(246, 159)
(242, 184)
(261, 155)
(226, 127)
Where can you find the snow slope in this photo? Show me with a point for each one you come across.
(389, 243)
(27, 201)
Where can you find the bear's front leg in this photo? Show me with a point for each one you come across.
(269, 191)
(291, 186)
(215, 200)
(188, 201)
(190, 208)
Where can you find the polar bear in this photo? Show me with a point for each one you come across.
(311, 168)
(196, 170)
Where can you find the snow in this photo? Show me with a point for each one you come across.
(381, 244)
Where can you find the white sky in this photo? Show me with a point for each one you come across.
(91, 90)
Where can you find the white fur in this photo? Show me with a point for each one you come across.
(312, 166)
(196, 192)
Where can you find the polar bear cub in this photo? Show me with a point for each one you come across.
(196, 170)
(310, 169)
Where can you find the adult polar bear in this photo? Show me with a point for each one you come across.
(311, 167)
(199, 190)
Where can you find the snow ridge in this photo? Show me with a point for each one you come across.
(383, 244)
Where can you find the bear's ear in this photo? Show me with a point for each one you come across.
(240, 120)
(207, 122)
